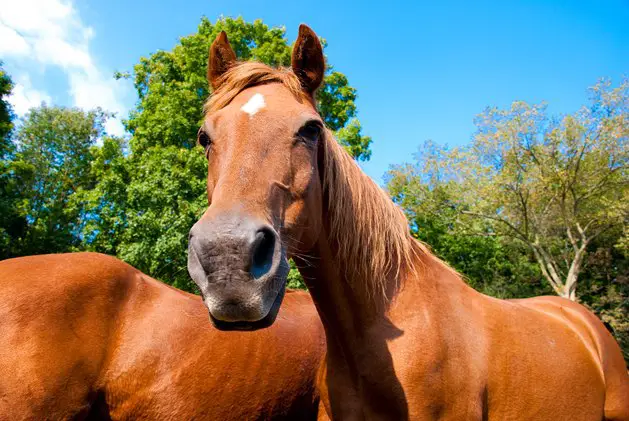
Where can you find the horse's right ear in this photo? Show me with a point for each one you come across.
(308, 62)
(222, 57)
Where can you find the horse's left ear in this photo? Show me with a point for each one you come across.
(222, 57)
(308, 62)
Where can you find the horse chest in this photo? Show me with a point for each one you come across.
(443, 390)
(396, 381)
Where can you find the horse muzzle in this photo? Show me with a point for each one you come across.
(240, 267)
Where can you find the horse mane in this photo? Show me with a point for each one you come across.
(370, 231)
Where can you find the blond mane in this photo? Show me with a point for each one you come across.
(371, 232)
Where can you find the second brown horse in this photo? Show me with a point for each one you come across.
(86, 336)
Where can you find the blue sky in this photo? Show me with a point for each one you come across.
(423, 70)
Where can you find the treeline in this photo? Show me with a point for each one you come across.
(536, 204)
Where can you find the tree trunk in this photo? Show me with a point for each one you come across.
(569, 293)
(570, 285)
(566, 288)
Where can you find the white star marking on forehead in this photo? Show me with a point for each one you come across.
(255, 104)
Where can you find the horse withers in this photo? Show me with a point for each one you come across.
(86, 336)
(406, 337)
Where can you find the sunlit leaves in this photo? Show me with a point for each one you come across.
(51, 161)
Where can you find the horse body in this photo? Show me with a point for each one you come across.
(443, 351)
(406, 337)
(87, 336)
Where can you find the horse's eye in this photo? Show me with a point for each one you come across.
(310, 131)
(204, 139)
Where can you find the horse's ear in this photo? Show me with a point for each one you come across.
(307, 61)
(222, 57)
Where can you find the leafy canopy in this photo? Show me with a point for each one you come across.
(51, 161)
(6, 112)
(433, 206)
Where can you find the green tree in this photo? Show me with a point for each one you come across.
(144, 206)
(433, 206)
(51, 163)
(604, 283)
(146, 201)
(554, 184)
(10, 221)
(6, 112)
(533, 188)
(104, 203)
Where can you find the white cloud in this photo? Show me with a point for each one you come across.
(51, 33)
(11, 43)
(24, 96)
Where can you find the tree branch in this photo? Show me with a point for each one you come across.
(557, 287)
(495, 218)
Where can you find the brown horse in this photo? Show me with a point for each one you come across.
(86, 336)
(406, 337)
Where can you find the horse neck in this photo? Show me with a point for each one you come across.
(348, 309)
(360, 321)
(366, 272)
(358, 331)
(364, 255)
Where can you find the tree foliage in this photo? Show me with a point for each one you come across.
(145, 205)
(51, 162)
(10, 221)
(6, 112)
(491, 264)
(555, 184)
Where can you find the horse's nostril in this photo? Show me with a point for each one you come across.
(262, 252)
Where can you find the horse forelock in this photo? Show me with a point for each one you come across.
(248, 74)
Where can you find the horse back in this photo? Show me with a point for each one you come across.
(171, 363)
(85, 335)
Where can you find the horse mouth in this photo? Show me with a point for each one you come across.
(264, 322)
